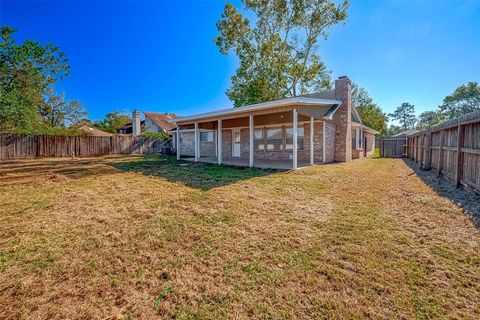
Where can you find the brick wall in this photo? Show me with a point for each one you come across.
(343, 120)
(303, 154)
(187, 144)
(227, 144)
(330, 142)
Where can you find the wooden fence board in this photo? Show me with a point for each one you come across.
(454, 148)
(14, 146)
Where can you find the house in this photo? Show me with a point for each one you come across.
(154, 122)
(94, 132)
(286, 133)
(405, 133)
(159, 122)
(128, 128)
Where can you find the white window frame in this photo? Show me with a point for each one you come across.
(208, 134)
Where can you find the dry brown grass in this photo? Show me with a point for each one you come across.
(101, 239)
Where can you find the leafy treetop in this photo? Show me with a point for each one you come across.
(405, 114)
(371, 114)
(278, 53)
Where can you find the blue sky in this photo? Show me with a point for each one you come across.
(160, 56)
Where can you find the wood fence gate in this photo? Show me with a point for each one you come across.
(393, 147)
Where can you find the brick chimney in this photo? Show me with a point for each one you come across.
(135, 123)
(343, 120)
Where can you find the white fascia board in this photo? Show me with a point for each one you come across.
(364, 127)
(258, 106)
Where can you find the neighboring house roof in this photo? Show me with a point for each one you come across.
(332, 106)
(163, 120)
(94, 132)
(128, 127)
(406, 133)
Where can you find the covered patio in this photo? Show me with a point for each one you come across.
(283, 134)
(261, 164)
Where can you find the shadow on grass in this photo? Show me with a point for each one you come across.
(468, 201)
(25, 170)
(202, 176)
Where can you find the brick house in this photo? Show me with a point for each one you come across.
(287, 133)
(153, 122)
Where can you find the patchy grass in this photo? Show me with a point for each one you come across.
(103, 238)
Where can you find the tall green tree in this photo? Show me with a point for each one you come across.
(112, 122)
(278, 52)
(28, 74)
(405, 115)
(429, 119)
(464, 99)
(371, 114)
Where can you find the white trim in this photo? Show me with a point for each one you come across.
(251, 128)
(233, 142)
(364, 127)
(196, 148)
(219, 142)
(311, 141)
(177, 137)
(260, 106)
(324, 148)
(295, 147)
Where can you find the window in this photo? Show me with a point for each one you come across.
(237, 137)
(357, 139)
(258, 140)
(289, 138)
(206, 136)
(274, 139)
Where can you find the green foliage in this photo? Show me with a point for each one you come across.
(464, 99)
(28, 73)
(278, 54)
(393, 129)
(429, 119)
(112, 122)
(160, 135)
(371, 114)
(160, 297)
(57, 112)
(405, 114)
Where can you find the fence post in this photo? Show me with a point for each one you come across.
(428, 161)
(460, 140)
(416, 149)
(422, 139)
(440, 153)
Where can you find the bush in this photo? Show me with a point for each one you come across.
(160, 135)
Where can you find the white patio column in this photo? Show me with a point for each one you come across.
(295, 147)
(219, 142)
(324, 147)
(250, 127)
(311, 140)
(177, 137)
(196, 143)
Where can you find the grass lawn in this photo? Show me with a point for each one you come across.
(104, 238)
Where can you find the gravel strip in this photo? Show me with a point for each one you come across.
(469, 202)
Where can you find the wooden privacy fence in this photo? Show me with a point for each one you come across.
(393, 147)
(451, 149)
(14, 146)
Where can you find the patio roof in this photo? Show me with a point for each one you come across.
(364, 127)
(304, 101)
